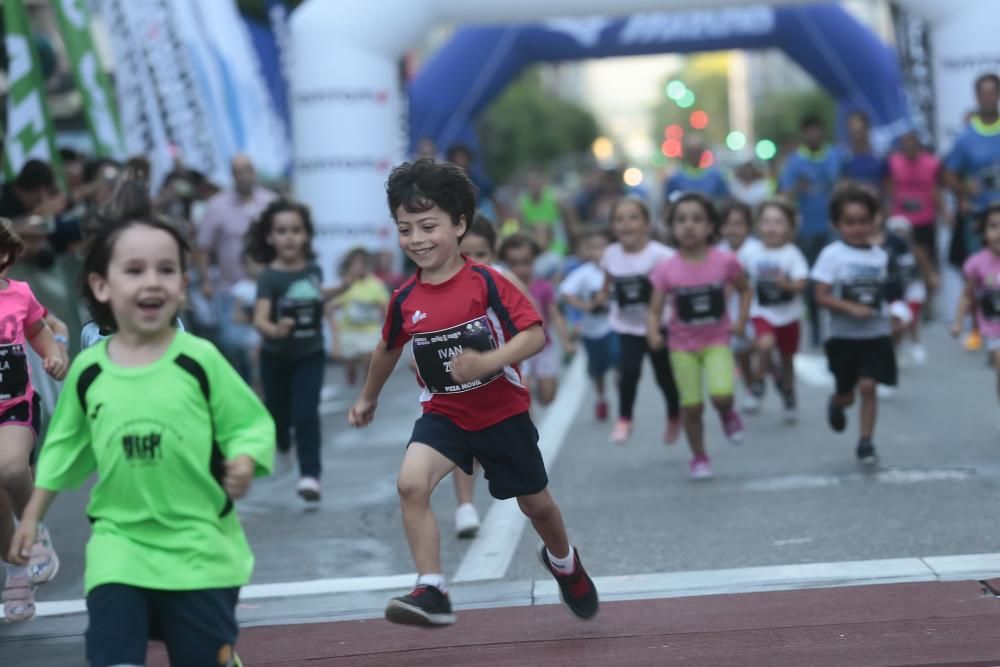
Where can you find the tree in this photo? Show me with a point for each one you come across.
(711, 91)
(528, 127)
(778, 117)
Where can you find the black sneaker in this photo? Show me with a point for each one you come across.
(424, 605)
(576, 590)
(866, 453)
(836, 417)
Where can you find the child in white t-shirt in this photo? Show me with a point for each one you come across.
(778, 272)
(583, 289)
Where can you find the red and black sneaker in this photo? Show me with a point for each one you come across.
(424, 605)
(576, 590)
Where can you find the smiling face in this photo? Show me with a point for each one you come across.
(145, 282)
(631, 226)
(429, 238)
(736, 229)
(774, 227)
(289, 237)
(856, 224)
(690, 225)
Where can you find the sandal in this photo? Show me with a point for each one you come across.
(43, 564)
(18, 599)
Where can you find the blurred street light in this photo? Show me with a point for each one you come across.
(707, 160)
(603, 148)
(671, 148)
(766, 149)
(673, 131)
(698, 119)
(686, 101)
(676, 89)
(632, 176)
(736, 140)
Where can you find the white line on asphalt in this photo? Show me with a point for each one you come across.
(964, 567)
(490, 554)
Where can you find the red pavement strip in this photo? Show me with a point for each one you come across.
(951, 624)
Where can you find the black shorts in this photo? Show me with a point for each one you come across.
(850, 360)
(198, 627)
(508, 451)
(925, 236)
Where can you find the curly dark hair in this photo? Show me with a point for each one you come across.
(852, 193)
(518, 240)
(98, 258)
(11, 244)
(710, 212)
(421, 185)
(255, 242)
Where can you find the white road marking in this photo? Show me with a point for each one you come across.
(490, 554)
(887, 476)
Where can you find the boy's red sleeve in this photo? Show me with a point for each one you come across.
(393, 333)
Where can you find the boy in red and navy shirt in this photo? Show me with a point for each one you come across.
(469, 328)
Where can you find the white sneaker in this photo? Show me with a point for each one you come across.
(466, 521)
(791, 415)
(309, 489)
(885, 392)
(918, 353)
(750, 404)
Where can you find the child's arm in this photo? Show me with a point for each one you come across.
(654, 332)
(43, 341)
(262, 321)
(472, 364)
(742, 286)
(27, 531)
(825, 299)
(383, 362)
(334, 323)
(559, 322)
(965, 302)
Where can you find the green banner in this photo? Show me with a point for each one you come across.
(29, 127)
(91, 81)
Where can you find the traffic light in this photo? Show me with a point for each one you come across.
(698, 119)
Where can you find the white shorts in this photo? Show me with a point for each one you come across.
(353, 344)
(543, 365)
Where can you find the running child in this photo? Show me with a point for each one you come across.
(915, 277)
(697, 280)
(288, 314)
(778, 273)
(20, 420)
(357, 313)
(627, 264)
(519, 252)
(167, 554)
(583, 289)
(851, 277)
(469, 327)
(982, 289)
(736, 232)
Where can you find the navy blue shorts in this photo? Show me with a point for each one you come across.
(508, 451)
(198, 627)
(602, 354)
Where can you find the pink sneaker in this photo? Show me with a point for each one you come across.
(621, 432)
(18, 598)
(601, 410)
(673, 430)
(44, 563)
(701, 468)
(733, 426)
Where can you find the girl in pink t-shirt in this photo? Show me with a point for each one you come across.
(697, 280)
(21, 321)
(982, 289)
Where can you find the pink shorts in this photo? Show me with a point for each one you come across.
(786, 338)
(23, 412)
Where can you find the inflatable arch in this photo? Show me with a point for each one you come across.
(844, 56)
(348, 110)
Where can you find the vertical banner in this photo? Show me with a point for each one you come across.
(914, 49)
(91, 81)
(29, 126)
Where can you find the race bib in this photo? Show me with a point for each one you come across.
(867, 292)
(632, 290)
(435, 351)
(13, 372)
(989, 303)
(705, 304)
(307, 315)
(769, 294)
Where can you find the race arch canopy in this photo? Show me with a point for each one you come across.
(841, 54)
